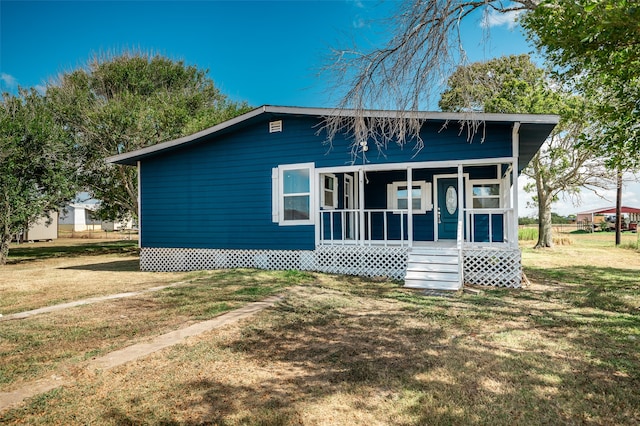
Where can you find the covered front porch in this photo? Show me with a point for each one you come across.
(436, 225)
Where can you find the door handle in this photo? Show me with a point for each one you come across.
(439, 221)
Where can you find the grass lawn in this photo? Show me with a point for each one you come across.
(343, 350)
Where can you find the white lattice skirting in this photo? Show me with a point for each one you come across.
(489, 267)
(369, 261)
(493, 267)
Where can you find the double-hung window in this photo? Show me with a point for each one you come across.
(399, 196)
(486, 194)
(293, 194)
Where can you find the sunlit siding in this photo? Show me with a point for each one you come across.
(217, 193)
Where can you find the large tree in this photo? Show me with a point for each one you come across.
(596, 46)
(513, 84)
(37, 166)
(116, 104)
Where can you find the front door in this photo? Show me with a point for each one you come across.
(447, 209)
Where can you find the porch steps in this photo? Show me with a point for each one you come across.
(433, 268)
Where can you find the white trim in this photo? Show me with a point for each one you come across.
(514, 185)
(444, 117)
(334, 191)
(460, 227)
(423, 197)
(417, 165)
(426, 203)
(499, 197)
(349, 203)
(361, 231)
(311, 194)
(275, 195)
(139, 164)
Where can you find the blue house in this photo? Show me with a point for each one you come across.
(265, 190)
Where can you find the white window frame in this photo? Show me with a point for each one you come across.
(499, 197)
(333, 203)
(278, 194)
(426, 201)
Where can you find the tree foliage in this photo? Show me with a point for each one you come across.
(509, 84)
(117, 104)
(37, 164)
(513, 84)
(595, 45)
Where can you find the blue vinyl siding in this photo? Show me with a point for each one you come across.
(217, 193)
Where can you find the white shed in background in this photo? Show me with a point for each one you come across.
(44, 229)
(79, 217)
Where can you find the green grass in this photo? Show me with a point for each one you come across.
(527, 234)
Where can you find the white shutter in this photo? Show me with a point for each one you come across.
(275, 196)
(391, 202)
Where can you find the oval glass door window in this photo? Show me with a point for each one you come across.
(451, 199)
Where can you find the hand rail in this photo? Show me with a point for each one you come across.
(459, 246)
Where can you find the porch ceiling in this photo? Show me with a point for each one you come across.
(532, 136)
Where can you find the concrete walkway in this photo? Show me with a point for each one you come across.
(53, 308)
(114, 359)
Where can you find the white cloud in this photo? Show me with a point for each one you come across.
(497, 19)
(357, 3)
(8, 80)
(588, 199)
(359, 23)
(41, 88)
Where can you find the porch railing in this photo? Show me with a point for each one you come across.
(369, 227)
(390, 227)
(490, 225)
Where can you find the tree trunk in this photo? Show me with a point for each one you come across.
(618, 206)
(545, 238)
(4, 248)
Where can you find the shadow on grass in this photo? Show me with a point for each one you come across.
(115, 266)
(24, 253)
(609, 289)
(499, 359)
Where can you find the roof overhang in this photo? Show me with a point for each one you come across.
(612, 210)
(534, 128)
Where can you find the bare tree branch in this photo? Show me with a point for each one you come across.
(424, 46)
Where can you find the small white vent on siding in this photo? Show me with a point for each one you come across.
(275, 126)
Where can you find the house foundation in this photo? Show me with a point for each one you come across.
(496, 267)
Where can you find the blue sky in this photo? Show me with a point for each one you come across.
(262, 52)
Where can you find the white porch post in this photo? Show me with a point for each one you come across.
(361, 205)
(460, 197)
(139, 208)
(409, 206)
(514, 171)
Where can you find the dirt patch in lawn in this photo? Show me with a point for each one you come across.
(44, 282)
